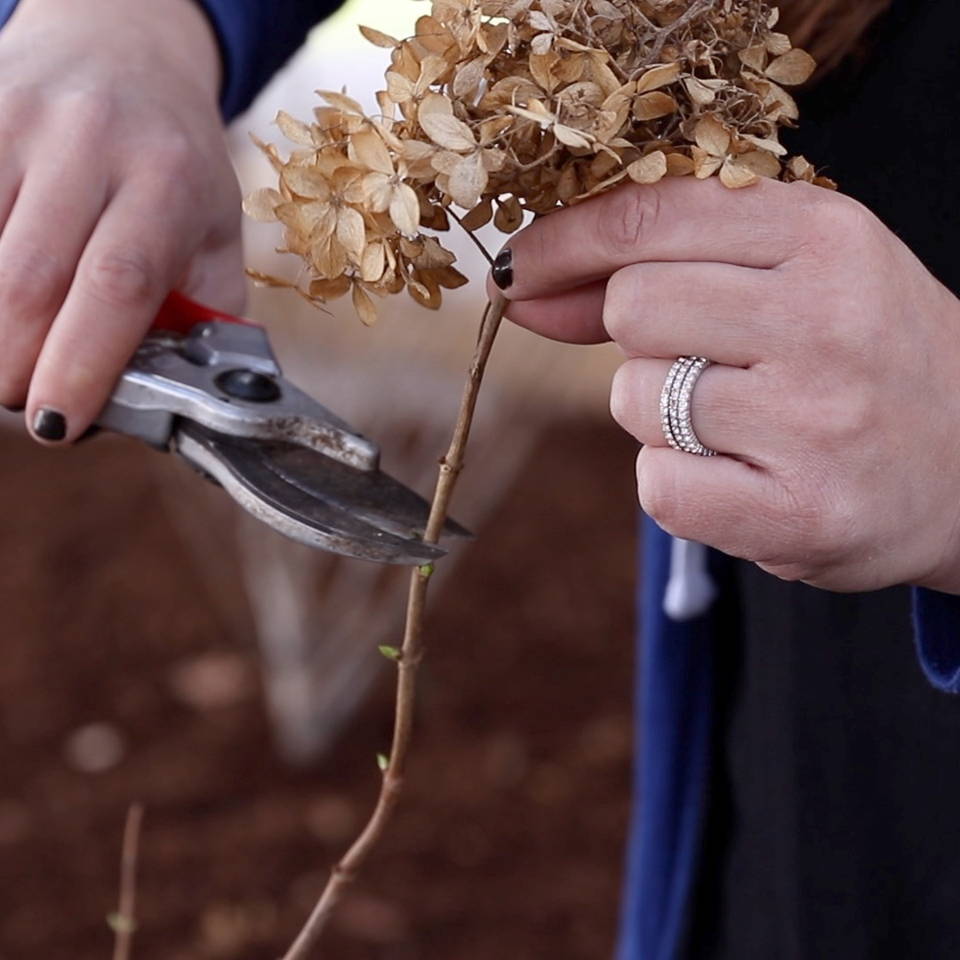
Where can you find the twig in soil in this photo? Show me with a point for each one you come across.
(123, 922)
(410, 655)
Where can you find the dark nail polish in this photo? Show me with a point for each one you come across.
(503, 269)
(12, 409)
(50, 424)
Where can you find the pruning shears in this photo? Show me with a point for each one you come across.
(206, 385)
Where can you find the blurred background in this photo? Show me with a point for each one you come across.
(158, 646)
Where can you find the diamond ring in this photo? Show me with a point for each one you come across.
(675, 401)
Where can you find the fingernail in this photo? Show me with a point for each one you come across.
(503, 269)
(50, 424)
(11, 409)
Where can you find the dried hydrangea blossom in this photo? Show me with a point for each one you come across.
(499, 107)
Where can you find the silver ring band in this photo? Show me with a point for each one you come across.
(675, 403)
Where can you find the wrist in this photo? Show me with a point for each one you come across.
(177, 31)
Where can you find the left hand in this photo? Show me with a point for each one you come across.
(834, 397)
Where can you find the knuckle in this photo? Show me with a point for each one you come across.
(817, 525)
(619, 302)
(811, 200)
(174, 153)
(841, 419)
(32, 279)
(122, 277)
(829, 334)
(849, 333)
(832, 223)
(657, 499)
(87, 113)
(843, 220)
(621, 399)
(803, 193)
(176, 164)
(17, 101)
(636, 215)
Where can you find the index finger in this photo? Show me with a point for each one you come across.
(674, 220)
(136, 254)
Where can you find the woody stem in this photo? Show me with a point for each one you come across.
(411, 653)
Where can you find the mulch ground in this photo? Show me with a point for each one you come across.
(510, 839)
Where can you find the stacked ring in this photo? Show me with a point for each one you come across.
(675, 402)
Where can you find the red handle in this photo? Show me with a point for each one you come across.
(180, 314)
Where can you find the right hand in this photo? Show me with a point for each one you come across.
(115, 187)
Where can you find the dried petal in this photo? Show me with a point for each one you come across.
(699, 92)
(425, 290)
(755, 57)
(652, 106)
(306, 182)
(405, 209)
(679, 165)
(509, 216)
(705, 164)
(479, 216)
(377, 192)
(262, 205)
(379, 39)
(737, 175)
(468, 180)
(766, 143)
(760, 162)
(399, 88)
(712, 136)
(778, 44)
(351, 233)
(649, 169)
(266, 280)
(373, 262)
(364, 305)
(572, 138)
(657, 77)
(447, 131)
(792, 68)
(468, 78)
(341, 101)
(330, 289)
(294, 129)
(368, 148)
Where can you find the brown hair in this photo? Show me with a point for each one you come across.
(829, 29)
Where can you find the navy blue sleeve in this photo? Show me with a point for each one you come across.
(936, 618)
(256, 38)
(6, 8)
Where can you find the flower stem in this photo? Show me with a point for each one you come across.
(411, 653)
(473, 237)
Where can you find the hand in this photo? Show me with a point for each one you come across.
(834, 399)
(115, 187)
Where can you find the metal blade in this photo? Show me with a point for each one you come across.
(314, 499)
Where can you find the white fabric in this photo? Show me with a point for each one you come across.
(690, 589)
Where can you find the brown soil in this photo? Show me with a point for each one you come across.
(510, 839)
